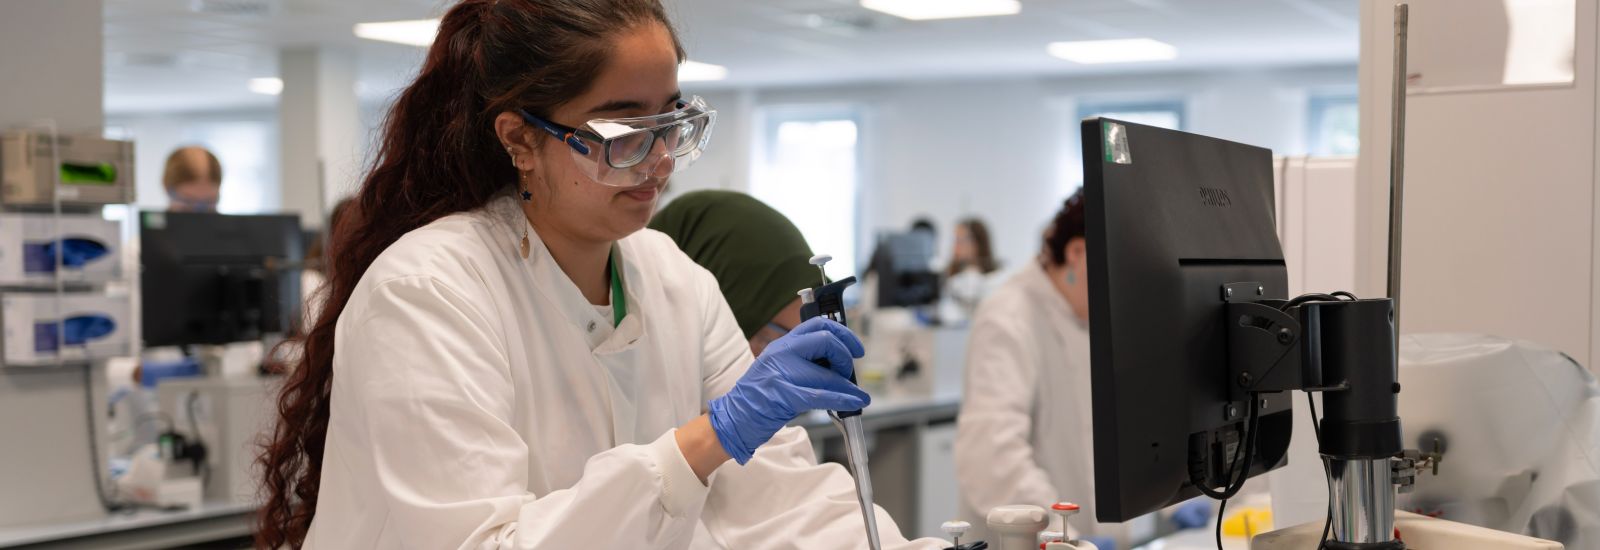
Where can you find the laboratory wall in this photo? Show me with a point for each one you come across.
(45, 464)
(1003, 150)
(1500, 206)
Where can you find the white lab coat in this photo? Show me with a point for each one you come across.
(1025, 432)
(480, 402)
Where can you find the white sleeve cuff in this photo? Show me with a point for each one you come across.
(682, 493)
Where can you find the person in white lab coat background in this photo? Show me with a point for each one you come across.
(1025, 431)
(971, 275)
(506, 360)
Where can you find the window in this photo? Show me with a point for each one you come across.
(1161, 114)
(807, 170)
(1334, 123)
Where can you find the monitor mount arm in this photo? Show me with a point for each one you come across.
(1344, 349)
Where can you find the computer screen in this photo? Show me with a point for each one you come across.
(215, 279)
(904, 266)
(1172, 218)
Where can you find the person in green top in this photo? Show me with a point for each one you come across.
(758, 256)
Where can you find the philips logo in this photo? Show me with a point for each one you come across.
(1215, 197)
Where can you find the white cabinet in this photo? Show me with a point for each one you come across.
(939, 500)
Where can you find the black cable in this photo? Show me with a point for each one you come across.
(188, 406)
(1242, 456)
(1316, 426)
(1314, 297)
(204, 464)
(1220, 507)
(94, 445)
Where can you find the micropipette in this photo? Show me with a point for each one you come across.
(828, 301)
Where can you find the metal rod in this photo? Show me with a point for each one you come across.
(1361, 493)
(855, 449)
(1397, 156)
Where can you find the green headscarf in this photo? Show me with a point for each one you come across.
(758, 256)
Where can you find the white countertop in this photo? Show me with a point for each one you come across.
(47, 532)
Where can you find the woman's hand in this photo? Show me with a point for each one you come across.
(807, 369)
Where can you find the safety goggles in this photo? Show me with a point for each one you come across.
(624, 152)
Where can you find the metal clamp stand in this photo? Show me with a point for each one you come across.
(1361, 425)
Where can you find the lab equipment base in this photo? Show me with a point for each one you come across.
(1417, 531)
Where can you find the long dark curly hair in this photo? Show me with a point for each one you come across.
(439, 155)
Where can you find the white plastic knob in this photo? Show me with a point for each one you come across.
(955, 528)
(807, 295)
(821, 260)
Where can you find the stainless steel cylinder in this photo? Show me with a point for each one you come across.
(1362, 499)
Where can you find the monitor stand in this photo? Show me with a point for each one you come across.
(1346, 350)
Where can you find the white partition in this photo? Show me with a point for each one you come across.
(1500, 202)
(1317, 222)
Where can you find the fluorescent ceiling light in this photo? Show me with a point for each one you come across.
(923, 10)
(267, 85)
(1132, 50)
(695, 71)
(419, 32)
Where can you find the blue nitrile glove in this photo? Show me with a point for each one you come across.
(1193, 514)
(787, 381)
(1103, 543)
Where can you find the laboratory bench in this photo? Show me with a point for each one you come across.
(213, 521)
(897, 428)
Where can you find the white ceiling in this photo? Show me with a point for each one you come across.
(165, 55)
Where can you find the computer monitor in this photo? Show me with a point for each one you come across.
(1172, 218)
(904, 264)
(216, 279)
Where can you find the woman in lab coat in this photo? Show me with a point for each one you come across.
(1025, 432)
(505, 360)
(971, 274)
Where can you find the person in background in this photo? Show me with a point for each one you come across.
(969, 277)
(924, 226)
(1025, 431)
(759, 258)
(193, 180)
(315, 272)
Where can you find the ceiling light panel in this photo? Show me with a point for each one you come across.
(417, 32)
(924, 10)
(266, 86)
(695, 71)
(1097, 52)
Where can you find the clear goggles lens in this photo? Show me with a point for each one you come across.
(628, 151)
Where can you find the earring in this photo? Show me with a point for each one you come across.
(526, 196)
(523, 178)
(1072, 278)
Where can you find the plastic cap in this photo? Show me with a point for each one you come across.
(1016, 514)
(821, 259)
(956, 528)
(1064, 507)
(807, 296)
